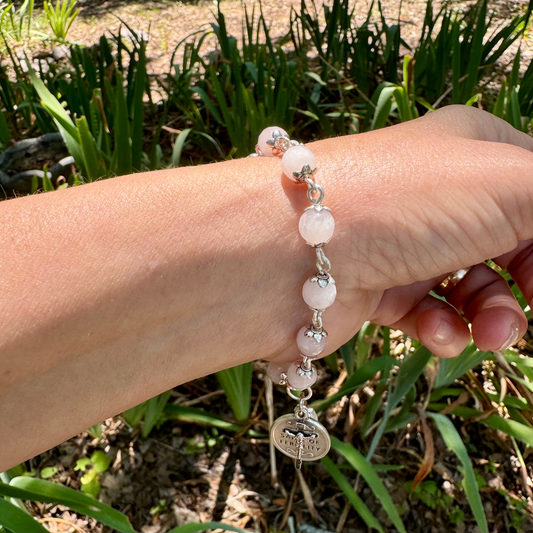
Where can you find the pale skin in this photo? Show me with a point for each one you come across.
(118, 290)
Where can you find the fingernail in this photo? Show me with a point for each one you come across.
(513, 337)
(444, 334)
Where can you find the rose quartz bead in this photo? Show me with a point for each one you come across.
(316, 226)
(299, 378)
(263, 138)
(311, 346)
(275, 369)
(295, 158)
(318, 297)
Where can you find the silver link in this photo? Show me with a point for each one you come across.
(322, 262)
(317, 319)
(313, 190)
(305, 397)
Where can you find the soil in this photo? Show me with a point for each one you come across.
(183, 472)
(168, 22)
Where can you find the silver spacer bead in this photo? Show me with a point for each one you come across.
(323, 279)
(279, 142)
(305, 174)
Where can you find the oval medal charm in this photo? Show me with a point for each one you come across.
(299, 438)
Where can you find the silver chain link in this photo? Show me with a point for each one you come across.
(322, 262)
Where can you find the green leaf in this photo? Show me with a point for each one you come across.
(209, 104)
(357, 460)
(134, 415)
(18, 521)
(47, 182)
(90, 484)
(356, 380)
(362, 510)
(90, 150)
(62, 120)
(154, 410)
(407, 376)
(94, 431)
(5, 136)
(122, 132)
(363, 348)
(453, 442)
(237, 384)
(138, 110)
(195, 527)
(178, 146)
(383, 106)
(48, 492)
(82, 463)
(49, 472)
(198, 416)
(100, 461)
(455, 367)
(347, 353)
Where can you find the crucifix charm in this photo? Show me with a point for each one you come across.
(301, 437)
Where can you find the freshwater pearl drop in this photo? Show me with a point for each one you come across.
(318, 297)
(298, 378)
(316, 226)
(275, 369)
(263, 138)
(295, 158)
(309, 346)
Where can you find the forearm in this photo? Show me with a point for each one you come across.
(118, 290)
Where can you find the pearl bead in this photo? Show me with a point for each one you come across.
(299, 378)
(275, 369)
(311, 345)
(263, 138)
(295, 158)
(316, 226)
(319, 294)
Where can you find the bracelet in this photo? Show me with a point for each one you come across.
(300, 435)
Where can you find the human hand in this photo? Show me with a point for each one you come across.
(446, 191)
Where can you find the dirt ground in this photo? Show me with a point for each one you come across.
(168, 22)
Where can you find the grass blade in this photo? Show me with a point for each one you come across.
(347, 353)
(383, 106)
(61, 119)
(178, 146)
(358, 378)
(453, 442)
(407, 377)
(48, 492)
(198, 416)
(90, 150)
(138, 111)
(122, 132)
(5, 136)
(356, 459)
(362, 510)
(237, 384)
(154, 410)
(195, 527)
(18, 521)
(455, 367)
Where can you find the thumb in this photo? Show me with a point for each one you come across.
(473, 123)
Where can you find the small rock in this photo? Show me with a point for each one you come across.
(185, 516)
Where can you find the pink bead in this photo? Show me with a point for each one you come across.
(275, 369)
(317, 225)
(319, 294)
(311, 345)
(295, 158)
(299, 378)
(263, 138)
